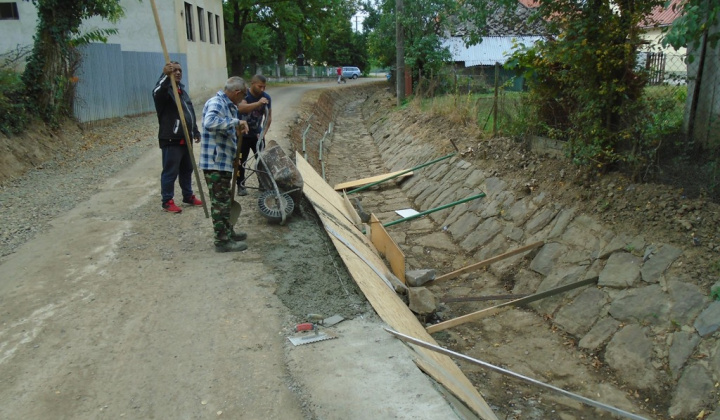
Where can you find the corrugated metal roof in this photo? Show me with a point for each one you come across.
(492, 49)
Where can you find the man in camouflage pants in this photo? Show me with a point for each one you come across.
(221, 129)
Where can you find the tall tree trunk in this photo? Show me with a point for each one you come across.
(281, 45)
(240, 20)
(45, 76)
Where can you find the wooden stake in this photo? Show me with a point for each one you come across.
(507, 305)
(387, 247)
(354, 216)
(489, 261)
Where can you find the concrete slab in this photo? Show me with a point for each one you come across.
(365, 373)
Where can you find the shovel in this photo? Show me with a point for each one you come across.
(235, 207)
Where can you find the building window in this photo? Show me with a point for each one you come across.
(8, 11)
(189, 22)
(201, 23)
(217, 28)
(211, 27)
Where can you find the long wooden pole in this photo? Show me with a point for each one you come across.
(397, 174)
(507, 305)
(188, 137)
(489, 261)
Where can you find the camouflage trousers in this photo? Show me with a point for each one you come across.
(218, 183)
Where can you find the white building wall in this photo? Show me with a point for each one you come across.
(206, 70)
(654, 37)
(207, 61)
(19, 33)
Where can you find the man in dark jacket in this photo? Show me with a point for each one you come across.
(176, 160)
(252, 110)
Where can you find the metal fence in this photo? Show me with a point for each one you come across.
(291, 70)
(113, 83)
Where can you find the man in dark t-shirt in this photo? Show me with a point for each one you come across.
(252, 110)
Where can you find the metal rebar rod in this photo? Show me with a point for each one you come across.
(321, 146)
(506, 372)
(304, 134)
(444, 206)
(322, 163)
(400, 173)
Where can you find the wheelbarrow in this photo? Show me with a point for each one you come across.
(280, 182)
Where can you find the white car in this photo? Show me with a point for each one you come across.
(351, 72)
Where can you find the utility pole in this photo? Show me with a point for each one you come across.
(400, 52)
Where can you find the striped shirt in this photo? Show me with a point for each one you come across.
(219, 138)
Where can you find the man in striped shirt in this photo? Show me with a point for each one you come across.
(221, 128)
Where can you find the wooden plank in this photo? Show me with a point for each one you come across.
(387, 247)
(489, 261)
(354, 216)
(386, 303)
(507, 305)
(360, 182)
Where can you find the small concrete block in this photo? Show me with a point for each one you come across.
(417, 278)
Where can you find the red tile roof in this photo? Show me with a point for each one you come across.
(531, 4)
(659, 17)
(663, 16)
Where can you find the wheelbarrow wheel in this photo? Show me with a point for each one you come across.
(270, 205)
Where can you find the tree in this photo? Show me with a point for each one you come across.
(696, 19)
(425, 23)
(334, 43)
(49, 70)
(290, 22)
(585, 85)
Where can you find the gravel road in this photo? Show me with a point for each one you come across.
(112, 308)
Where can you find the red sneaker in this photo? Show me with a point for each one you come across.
(192, 201)
(170, 206)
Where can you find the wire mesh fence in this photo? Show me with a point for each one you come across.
(290, 70)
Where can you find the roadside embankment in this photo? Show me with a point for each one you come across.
(642, 336)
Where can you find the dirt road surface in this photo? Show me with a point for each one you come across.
(118, 310)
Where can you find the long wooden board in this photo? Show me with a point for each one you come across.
(364, 181)
(507, 305)
(387, 247)
(489, 261)
(354, 216)
(330, 207)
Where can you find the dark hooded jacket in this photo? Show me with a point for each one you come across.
(170, 130)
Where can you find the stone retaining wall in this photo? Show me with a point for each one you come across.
(657, 331)
(644, 319)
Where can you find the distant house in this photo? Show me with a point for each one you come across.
(660, 19)
(116, 79)
(501, 37)
(665, 65)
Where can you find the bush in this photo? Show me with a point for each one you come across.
(13, 114)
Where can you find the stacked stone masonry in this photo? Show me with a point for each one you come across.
(642, 314)
(656, 330)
